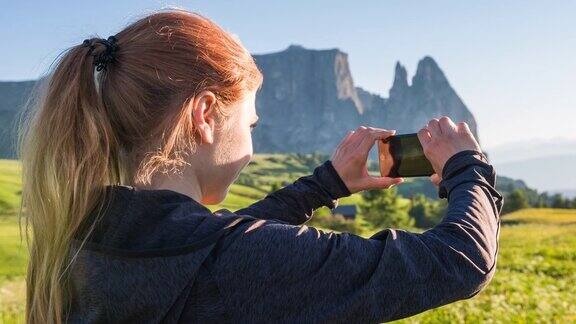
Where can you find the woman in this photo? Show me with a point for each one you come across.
(135, 133)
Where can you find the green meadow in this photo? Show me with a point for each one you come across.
(536, 271)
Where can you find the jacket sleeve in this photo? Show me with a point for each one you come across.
(269, 271)
(295, 203)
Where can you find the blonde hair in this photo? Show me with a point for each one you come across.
(126, 123)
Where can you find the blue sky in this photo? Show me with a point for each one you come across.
(512, 62)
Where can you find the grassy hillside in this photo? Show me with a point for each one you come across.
(535, 277)
(534, 281)
(9, 184)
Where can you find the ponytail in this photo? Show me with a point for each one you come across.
(68, 150)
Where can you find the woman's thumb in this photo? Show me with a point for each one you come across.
(383, 182)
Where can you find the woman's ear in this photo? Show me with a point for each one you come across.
(203, 115)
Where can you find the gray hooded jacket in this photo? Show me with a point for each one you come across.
(158, 256)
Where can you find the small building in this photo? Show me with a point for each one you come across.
(347, 211)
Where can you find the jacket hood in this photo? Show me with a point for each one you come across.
(145, 250)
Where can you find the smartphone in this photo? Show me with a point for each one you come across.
(403, 156)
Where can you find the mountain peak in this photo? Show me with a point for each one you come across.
(428, 60)
(400, 80)
(428, 73)
(295, 47)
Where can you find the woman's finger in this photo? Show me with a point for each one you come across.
(376, 134)
(357, 137)
(424, 136)
(447, 125)
(345, 139)
(434, 127)
(348, 135)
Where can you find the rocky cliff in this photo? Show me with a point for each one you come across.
(13, 96)
(309, 101)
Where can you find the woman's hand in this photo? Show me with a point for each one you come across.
(441, 139)
(351, 156)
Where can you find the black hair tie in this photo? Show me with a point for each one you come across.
(88, 43)
(105, 57)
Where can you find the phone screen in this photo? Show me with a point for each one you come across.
(403, 156)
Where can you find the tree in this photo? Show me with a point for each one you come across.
(419, 211)
(382, 209)
(514, 201)
(438, 210)
(542, 200)
(558, 201)
(426, 212)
